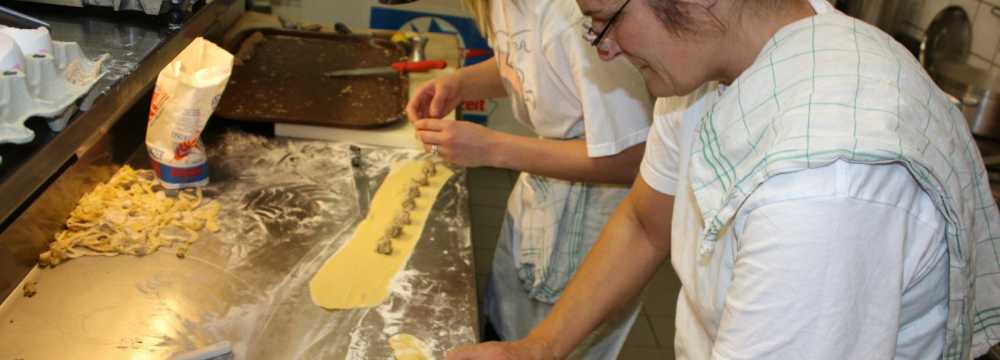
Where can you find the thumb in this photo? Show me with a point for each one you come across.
(418, 106)
(441, 101)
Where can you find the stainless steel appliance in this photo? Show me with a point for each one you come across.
(981, 107)
(976, 92)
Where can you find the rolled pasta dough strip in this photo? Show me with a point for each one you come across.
(357, 276)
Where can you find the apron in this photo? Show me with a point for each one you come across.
(553, 223)
(550, 224)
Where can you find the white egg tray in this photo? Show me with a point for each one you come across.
(46, 84)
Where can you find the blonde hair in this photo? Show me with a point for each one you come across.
(480, 10)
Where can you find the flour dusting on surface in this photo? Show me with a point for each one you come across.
(289, 205)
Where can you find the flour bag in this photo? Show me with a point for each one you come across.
(187, 92)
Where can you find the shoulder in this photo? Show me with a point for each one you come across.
(888, 187)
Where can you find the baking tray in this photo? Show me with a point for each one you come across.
(278, 78)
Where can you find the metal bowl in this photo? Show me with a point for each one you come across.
(981, 107)
(976, 92)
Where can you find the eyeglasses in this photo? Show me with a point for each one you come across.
(596, 38)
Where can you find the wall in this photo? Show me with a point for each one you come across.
(985, 26)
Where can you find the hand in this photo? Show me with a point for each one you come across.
(461, 143)
(435, 99)
(519, 350)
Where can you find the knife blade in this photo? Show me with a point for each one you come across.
(399, 67)
(360, 181)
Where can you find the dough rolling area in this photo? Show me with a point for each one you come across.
(287, 205)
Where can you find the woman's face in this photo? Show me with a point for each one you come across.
(671, 65)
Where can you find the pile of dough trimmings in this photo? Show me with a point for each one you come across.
(131, 214)
(395, 230)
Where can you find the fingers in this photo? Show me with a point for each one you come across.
(417, 107)
(440, 142)
(413, 110)
(435, 99)
(432, 124)
(442, 104)
(429, 132)
(437, 108)
(431, 138)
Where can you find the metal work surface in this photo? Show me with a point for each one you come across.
(40, 182)
(287, 206)
(138, 52)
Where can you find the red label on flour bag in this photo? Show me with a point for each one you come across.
(187, 92)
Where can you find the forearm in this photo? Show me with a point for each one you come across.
(612, 275)
(481, 81)
(563, 159)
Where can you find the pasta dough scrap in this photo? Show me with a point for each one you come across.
(357, 276)
(130, 215)
(409, 347)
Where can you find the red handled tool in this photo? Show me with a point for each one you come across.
(400, 67)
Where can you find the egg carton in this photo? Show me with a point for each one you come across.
(40, 81)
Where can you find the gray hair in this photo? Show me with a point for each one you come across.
(682, 17)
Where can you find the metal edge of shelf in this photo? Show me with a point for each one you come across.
(34, 207)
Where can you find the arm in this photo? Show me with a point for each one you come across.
(819, 274)
(634, 243)
(469, 144)
(481, 81)
(565, 159)
(632, 246)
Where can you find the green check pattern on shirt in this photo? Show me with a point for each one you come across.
(831, 88)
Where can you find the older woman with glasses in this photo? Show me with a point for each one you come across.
(591, 117)
(827, 202)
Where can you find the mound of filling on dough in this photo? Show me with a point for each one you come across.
(131, 214)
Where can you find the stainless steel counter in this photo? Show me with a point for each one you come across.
(139, 48)
(287, 205)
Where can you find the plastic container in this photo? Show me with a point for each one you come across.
(31, 41)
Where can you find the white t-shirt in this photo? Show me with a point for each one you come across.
(846, 261)
(556, 80)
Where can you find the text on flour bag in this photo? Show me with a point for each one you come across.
(187, 92)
